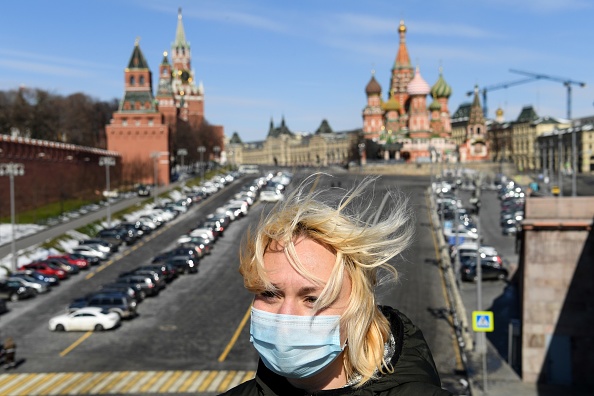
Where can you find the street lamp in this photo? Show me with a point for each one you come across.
(217, 150)
(107, 162)
(155, 156)
(11, 170)
(182, 152)
(574, 155)
(201, 150)
(361, 147)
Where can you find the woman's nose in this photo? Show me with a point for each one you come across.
(287, 307)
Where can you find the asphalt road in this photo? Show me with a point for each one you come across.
(193, 337)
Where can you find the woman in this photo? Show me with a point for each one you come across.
(313, 268)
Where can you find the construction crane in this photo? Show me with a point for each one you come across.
(565, 81)
(484, 90)
(568, 83)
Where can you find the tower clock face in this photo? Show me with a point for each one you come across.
(185, 76)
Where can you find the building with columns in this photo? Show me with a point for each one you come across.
(142, 129)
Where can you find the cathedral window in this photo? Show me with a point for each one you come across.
(132, 80)
(150, 122)
(141, 80)
(137, 122)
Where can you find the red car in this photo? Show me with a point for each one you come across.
(46, 269)
(79, 262)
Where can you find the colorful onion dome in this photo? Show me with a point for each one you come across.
(391, 105)
(435, 105)
(373, 87)
(418, 86)
(499, 112)
(441, 89)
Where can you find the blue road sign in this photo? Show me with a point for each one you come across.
(483, 321)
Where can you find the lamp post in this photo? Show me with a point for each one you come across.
(11, 170)
(182, 152)
(216, 150)
(201, 150)
(361, 153)
(107, 162)
(560, 162)
(574, 155)
(155, 156)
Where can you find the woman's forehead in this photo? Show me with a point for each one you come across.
(313, 256)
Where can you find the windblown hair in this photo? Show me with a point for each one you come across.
(363, 241)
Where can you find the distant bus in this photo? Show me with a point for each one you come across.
(249, 169)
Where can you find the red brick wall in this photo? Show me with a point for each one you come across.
(53, 172)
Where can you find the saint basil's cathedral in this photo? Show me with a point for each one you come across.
(405, 128)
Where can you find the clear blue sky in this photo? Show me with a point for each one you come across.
(306, 60)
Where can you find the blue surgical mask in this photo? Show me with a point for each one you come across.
(295, 346)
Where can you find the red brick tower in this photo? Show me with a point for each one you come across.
(137, 129)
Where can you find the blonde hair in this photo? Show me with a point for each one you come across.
(362, 247)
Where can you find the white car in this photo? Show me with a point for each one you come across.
(90, 251)
(271, 196)
(85, 319)
(201, 232)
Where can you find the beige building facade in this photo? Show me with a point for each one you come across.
(283, 147)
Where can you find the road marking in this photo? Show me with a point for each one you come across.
(189, 381)
(449, 317)
(235, 335)
(75, 343)
(206, 383)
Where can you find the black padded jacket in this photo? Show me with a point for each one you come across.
(414, 370)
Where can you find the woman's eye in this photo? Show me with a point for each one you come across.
(311, 299)
(268, 294)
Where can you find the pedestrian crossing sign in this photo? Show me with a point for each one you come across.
(483, 321)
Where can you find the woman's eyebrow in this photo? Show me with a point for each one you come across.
(308, 290)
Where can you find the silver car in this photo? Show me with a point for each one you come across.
(28, 281)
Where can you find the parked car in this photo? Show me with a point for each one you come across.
(65, 265)
(118, 302)
(51, 280)
(490, 270)
(116, 236)
(80, 262)
(214, 225)
(183, 265)
(90, 251)
(271, 196)
(153, 274)
(14, 291)
(3, 306)
(179, 251)
(134, 230)
(143, 190)
(46, 269)
(101, 245)
(166, 270)
(144, 284)
(90, 260)
(122, 288)
(203, 243)
(28, 281)
(85, 319)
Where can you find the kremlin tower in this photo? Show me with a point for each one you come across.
(144, 127)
